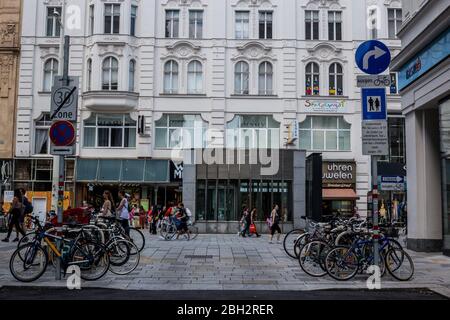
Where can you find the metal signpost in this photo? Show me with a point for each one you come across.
(373, 57)
(64, 102)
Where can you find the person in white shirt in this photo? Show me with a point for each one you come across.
(124, 215)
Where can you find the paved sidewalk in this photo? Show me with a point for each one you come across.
(227, 262)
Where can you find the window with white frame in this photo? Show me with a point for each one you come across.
(265, 24)
(252, 132)
(312, 25)
(394, 22)
(89, 75)
(133, 20)
(171, 77)
(195, 77)
(109, 131)
(242, 24)
(110, 74)
(172, 23)
(325, 133)
(112, 18)
(373, 16)
(131, 75)
(335, 25)
(41, 134)
(91, 19)
(336, 80)
(54, 14)
(265, 80)
(195, 24)
(312, 79)
(241, 78)
(50, 71)
(178, 131)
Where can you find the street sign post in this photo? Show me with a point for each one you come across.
(373, 57)
(64, 99)
(375, 81)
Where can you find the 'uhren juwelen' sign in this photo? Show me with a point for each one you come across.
(338, 174)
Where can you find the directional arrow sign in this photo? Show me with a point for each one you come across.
(373, 57)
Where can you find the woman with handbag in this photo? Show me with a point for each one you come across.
(253, 216)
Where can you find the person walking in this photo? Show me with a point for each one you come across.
(245, 222)
(253, 217)
(275, 219)
(181, 218)
(142, 216)
(107, 208)
(16, 211)
(124, 214)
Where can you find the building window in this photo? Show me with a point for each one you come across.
(336, 81)
(334, 25)
(112, 18)
(172, 23)
(396, 139)
(91, 19)
(195, 77)
(242, 24)
(171, 77)
(109, 131)
(252, 132)
(54, 14)
(393, 86)
(318, 133)
(241, 78)
(312, 25)
(180, 131)
(312, 82)
(196, 24)
(133, 19)
(131, 75)
(110, 74)
(373, 17)
(89, 75)
(394, 22)
(265, 78)
(50, 71)
(41, 134)
(265, 24)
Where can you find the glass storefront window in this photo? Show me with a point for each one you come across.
(397, 143)
(201, 200)
(325, 133)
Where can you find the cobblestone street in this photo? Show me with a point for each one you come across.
(227, 262)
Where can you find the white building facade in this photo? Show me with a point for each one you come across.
(156, 75)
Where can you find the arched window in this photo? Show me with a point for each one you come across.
(265, 78)
(131, 75)
(110, 74)
(89, 75)
(336, 80)
(312, 83)
(241, 78)
(50, 71)
(171, 77)
(195, 77)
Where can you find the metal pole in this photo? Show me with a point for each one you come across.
(376, 253)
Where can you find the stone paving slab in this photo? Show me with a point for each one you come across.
(236, 264)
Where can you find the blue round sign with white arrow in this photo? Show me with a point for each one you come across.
(373, 57)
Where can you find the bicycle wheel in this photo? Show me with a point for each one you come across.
(399, 264)
(193, 232)
(300, 242)
(33, 264)
(124, 256)
(26, 239)
(93, 260)
(341, 263)
(138, 238)
(289, 242)
(311, 258)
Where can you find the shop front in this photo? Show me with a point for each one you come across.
(392, 191)
(338, 187)
(148, 182)
(218, 191)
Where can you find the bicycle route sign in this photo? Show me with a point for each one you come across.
(64, 100)
(373, 81)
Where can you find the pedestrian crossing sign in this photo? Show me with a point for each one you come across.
(374, 103)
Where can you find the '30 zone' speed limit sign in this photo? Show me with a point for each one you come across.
(64, 100)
